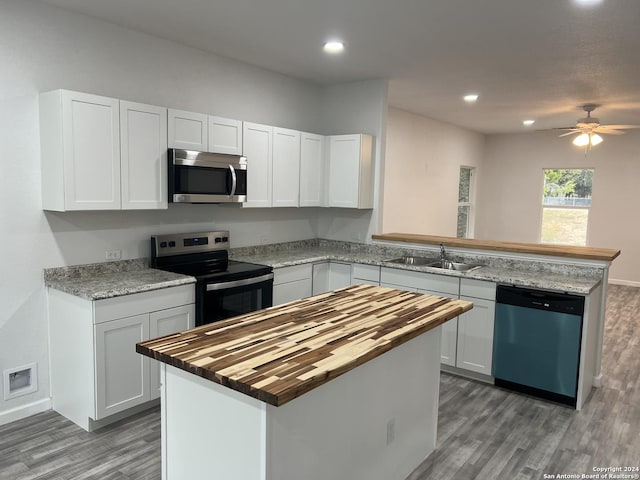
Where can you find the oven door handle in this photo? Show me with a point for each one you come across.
(239, 283)
(233, 181)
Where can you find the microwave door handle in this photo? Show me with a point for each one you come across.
(233, 181)
(239, 283)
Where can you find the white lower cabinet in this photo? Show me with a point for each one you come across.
(475, 327)
(329, 276)
(122, 375)
(292, 283)
(166, 322)
(95, 369)
(467, 341)
(365, 274)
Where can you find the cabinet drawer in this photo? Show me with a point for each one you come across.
(424, 281)
(145, 302)
(365, 272)
(291, 274)
(478, 289)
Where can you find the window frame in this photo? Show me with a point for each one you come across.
(470, 204)
(544, 206)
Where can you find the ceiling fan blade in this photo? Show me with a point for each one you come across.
(620, 127)
(564, 128)
(608, 131)
(569, 133)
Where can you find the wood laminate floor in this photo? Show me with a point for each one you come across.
(483, 432)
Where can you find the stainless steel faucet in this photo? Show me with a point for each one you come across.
(443, 254)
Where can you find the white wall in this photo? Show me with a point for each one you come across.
(357, 107)
(510, 191)
(44, 48)
(422, 170)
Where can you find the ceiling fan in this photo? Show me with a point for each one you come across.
(589, 127)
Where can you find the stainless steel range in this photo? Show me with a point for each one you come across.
(224, 288)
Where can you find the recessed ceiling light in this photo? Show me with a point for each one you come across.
(472, 97)
(528, 123)
(587, 3)
(333, 46)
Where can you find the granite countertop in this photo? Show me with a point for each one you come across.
(560, 278)
(98, 281)
(280, 353)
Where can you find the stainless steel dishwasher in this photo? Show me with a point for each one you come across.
(536, 342)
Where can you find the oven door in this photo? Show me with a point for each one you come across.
(220, 300)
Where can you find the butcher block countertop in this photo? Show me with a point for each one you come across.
(280, 353)
(569, 251)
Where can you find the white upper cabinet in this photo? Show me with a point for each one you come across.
(204, 133)
(351, 171)
(188, 130)
(80, 150)
(312, 170)
(225, 135)
(143, 157)
(100, 153)
(286, 167)
(257, 147)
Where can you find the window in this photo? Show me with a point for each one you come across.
(465, 205)
(565, 206)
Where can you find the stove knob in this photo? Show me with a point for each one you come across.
(172, 243)
(163, 244)
(225, 239)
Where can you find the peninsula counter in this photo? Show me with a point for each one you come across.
(276, 394)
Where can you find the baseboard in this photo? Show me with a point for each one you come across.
(627, 283)
(24, 411)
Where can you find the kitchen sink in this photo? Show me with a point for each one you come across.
(412, 260)
(449, 265)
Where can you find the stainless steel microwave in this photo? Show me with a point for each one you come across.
(202, 177)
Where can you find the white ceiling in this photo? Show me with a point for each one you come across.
(538, 59)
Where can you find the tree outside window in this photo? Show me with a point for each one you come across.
(566, 200)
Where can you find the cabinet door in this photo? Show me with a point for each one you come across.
(187, 130)
(312, 170)
(475, 336)
(339, 275)
(122, 375)
(320, 282)
(143, 136)
(257, 143)
(288, 292)
(292, 283)
(225, 135)
(449, 333)
(286, 167)
(91, 138)
(449, 342)
(351, 171)
(366, 274)
(166, 322)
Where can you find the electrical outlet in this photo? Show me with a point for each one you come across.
(113, 254)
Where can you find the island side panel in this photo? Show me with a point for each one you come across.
(210, 431)
(376, 422)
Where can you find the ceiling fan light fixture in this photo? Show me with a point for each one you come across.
(470, 98)
(587, 140)
(581, 140)
(528, 123)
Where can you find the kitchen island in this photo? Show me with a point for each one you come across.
(276, 394)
